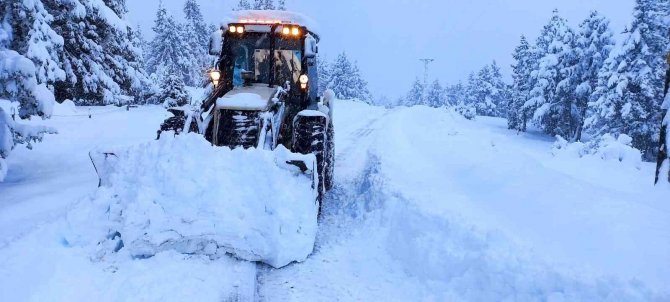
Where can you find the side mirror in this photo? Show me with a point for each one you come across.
(311, 47)
(216, 43)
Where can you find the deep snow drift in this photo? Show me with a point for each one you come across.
(427, 206)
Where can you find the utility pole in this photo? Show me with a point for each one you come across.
(426, 65)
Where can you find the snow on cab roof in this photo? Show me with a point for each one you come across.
(271, 17)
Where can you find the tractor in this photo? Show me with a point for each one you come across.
(264, 92)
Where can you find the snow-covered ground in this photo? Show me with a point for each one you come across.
(427, 206)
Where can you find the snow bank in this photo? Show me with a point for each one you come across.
(183, 194)
(607, 148)
(66, 108)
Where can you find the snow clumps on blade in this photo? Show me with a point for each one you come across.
(182, 194)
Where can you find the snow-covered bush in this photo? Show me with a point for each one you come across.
(173, 92)
(13, 133)
(466, 110)
(607, 148)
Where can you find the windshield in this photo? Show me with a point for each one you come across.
(252, 54)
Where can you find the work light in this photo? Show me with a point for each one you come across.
(304, 79)
(215, 75)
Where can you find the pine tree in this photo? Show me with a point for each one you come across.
(268, 4)
(482, 91)
(499, 95)
(471, 90)
(100, 61)
(629, 94)
(517, 113)
(198, 36)
(435, 95)
(455, 94)
(553, 92)
(258, 4)
(173, 91)
(663, 161)
(170, 51)
(593, 46)
(29, 62)
(346, 80)
(324, 70)
(415, 96)
(281, 5)
(243, 5)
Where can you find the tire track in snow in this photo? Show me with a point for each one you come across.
(355, 143)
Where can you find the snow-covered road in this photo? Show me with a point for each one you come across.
(427, 206)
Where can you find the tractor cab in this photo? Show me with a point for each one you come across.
(269, 49)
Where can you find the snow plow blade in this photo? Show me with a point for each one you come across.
(182, 194)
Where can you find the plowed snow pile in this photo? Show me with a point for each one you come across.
(182, 194)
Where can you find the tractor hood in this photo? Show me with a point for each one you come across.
(257, 97)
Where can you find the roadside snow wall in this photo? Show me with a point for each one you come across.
(180, 193)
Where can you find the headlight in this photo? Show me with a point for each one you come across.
(286, 31)
(240, 29)
(233, 29)
(304, 79)
(215, 75)
(295, 31)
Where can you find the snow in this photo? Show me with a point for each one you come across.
(427, 206)
(607, 148)
(45, 99)
(284, 17)
(220, 201)
(256, 97)
(66, 108)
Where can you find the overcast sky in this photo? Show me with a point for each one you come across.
(388, 38)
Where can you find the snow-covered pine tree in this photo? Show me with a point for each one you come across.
(471, 90)
(629, 93)
(324, 70)
(243, 5)
(29, 52)
(198, 37)
(281, 5)
(454, 94)
(498, 91)
(26, 68)
(173, 91)
(663, 162)
(482, 91)
(435, 95)
(123, 56)
(416, 94)
(170, 51)
(100, 60)
(554, 86)
(346, 80)
(258, 4)
(594, 44)
(517, 114)
(268, 4)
